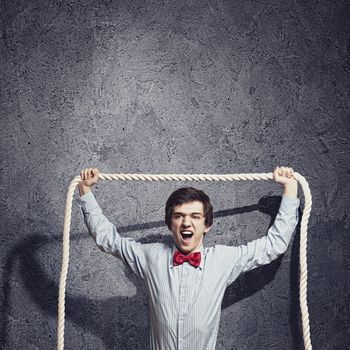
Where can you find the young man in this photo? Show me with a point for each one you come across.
(186, 283)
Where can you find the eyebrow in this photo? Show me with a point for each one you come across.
(181, 213)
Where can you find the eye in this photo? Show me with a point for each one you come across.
(176, 216)
(196, 217)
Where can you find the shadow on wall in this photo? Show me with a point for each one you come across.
(110, 319)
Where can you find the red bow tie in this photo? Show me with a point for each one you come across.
(194, 259)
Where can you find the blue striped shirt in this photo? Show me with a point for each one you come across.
(185, 302)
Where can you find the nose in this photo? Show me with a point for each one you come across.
(186, 221)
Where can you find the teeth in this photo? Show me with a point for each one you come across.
(186, 234)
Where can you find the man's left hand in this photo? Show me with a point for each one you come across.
(284, 176)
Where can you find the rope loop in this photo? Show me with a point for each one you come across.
(191, 177)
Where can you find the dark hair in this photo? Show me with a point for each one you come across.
(185, 195)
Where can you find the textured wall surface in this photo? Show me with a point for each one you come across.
(175, 87)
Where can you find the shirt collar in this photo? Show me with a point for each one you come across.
(174, 249)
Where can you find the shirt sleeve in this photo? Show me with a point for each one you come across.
(107, 238)
(266, 249)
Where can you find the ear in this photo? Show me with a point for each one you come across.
(207, 228)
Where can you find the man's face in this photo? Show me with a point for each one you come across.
(188, 226)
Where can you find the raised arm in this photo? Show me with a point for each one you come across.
(266, 249)
(105, 234)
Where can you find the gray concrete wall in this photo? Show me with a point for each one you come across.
(174, 87)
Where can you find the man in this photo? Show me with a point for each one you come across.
(186, 283)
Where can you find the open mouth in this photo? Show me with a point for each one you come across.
(186, 235)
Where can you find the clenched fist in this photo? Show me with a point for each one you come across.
(284, 176)
(89, 177)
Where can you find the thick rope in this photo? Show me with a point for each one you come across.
(189, 177)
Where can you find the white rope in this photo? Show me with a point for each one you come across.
(190, 177)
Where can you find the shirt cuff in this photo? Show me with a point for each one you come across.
(289, 204)
(87, 202)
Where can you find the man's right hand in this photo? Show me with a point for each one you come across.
(89, 177)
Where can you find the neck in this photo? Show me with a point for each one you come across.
(198, 249)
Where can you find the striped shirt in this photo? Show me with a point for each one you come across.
(185, 302)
